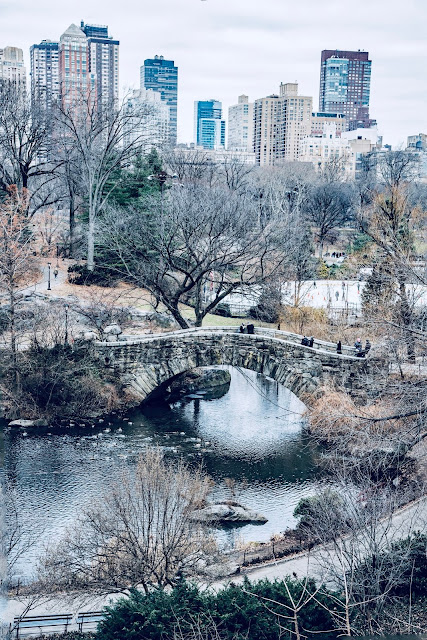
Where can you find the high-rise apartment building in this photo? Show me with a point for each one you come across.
(103, 62)
(266, 123)
(75, 78)
(209, 127)
(295, 121)
(85, 62)
(161, 75)
(345, 85)
(12, 66)
(241, 125)
(281, 122)
(45, 73)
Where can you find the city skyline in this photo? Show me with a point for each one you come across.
(224, 49)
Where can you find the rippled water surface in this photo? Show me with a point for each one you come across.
(253, 435)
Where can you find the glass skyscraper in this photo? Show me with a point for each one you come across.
(209, 127)
(162, 76)
(345, 85)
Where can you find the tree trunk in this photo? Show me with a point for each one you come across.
(406, 319)
(91, 242)
(13, 347)
(72, 225)
(183, 322)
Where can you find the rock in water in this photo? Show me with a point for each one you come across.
(40, 422)
(222, 513)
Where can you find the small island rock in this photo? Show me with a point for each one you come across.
(223, 513)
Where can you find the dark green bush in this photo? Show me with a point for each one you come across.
(79, 274)
(236, 613)
(223, 310)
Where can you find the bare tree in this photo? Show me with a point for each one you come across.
(389, 222)
(191, 166)
(17, 263)
(48, 223)
(236, 174)
(25, 148)
(141, 533)
(357, 527)
(101, 143)
(327, 207)
(70, 181)
(199, 247)
(281, 191)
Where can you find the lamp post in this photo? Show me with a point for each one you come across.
(66, 306)
(48, 276)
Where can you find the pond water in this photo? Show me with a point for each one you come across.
(253, 435)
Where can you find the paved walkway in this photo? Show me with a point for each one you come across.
(408, 519)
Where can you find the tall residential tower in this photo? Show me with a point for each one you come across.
(103, 61)
(75, 80)
(45, 73)
(241, 125)
(345, 84)
(161, 76)
(280, 124)
(85, 62)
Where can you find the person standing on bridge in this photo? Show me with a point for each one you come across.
(337, 295)
(339, 347)
(358, 345)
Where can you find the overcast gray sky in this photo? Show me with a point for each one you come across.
(224, 48)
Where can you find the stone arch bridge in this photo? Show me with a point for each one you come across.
(141, 364)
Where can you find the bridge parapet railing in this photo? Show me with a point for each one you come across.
(286, 336)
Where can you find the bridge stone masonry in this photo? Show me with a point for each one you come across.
(142, 364)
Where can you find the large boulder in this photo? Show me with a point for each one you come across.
(40, 422)
(112, 330)
(223, 512)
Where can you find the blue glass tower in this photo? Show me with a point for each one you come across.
(209, 127)
(162, 76)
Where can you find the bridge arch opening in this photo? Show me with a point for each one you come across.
(164, 388)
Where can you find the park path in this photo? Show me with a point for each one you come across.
(408, 519)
